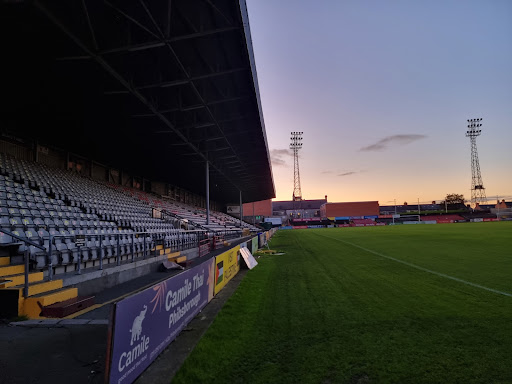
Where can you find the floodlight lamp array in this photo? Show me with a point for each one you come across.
(473, 125)
(296, 139)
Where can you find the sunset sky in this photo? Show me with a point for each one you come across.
(382, 91)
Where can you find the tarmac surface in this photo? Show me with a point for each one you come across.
(73, 350)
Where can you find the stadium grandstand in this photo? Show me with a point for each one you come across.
(128, 129)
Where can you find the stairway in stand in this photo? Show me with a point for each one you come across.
(41, 294)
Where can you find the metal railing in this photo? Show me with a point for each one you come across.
(25, 256)
(179, 241)
(108, 245)
(124, 244)
(228, 233)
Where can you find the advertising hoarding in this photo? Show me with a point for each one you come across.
(146, 322)
(227, 265)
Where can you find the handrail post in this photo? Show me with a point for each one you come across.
(144, 254)
(118, 256)
(25, 288)
(79, 272)
(50, 259)
(101, 251)
(133, 253)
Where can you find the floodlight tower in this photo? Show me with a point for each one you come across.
(477, 187)
(295, 146)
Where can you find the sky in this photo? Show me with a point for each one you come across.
(382, 91)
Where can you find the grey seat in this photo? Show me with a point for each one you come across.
(44, 213)
(28, 223)
(5, 223)
(14, 211)
(5, 239)
(23, 246)
(65, 254)
(49, 223)
(16, 223)
(93, 249)
(35, 213)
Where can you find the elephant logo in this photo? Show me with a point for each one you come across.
(136, 330)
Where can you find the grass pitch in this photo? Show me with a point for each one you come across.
(368, 305)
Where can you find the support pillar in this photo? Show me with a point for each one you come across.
(241, 210)
(36, 152)
(207, 193)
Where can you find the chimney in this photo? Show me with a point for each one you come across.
(433, 202)
(326, 198)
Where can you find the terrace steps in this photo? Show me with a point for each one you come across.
(40, 293)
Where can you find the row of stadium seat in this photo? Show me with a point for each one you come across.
(39, 203)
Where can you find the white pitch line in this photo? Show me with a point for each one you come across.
(421, 268)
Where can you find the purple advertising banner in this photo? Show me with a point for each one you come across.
(146, 322)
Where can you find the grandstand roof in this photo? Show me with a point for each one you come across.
(151, 87)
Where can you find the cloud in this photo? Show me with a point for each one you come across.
(276, 162)
(346, 173)
(281, 152)
(278, 157)
(392, 140)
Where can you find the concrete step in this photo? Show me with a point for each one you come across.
(40, 287)
(10, 270)
(5, 260)
(20, 279)
(178, 259)
(32, 306)
(173, 254)
(67, 307)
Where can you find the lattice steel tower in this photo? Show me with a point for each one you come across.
(295, 146)
(477, 187)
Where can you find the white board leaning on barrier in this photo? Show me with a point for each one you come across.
(249, 259)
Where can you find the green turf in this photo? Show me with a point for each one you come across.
(330, 312)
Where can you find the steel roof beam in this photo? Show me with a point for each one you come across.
(89, 24)
(125, 83)
(134, 21)
(161, 42)
(186, 109)
(185, 72)
(226, 19)
(193, 126)
(173, 83)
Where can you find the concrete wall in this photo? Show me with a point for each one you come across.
(258, 208)
(18, 151)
